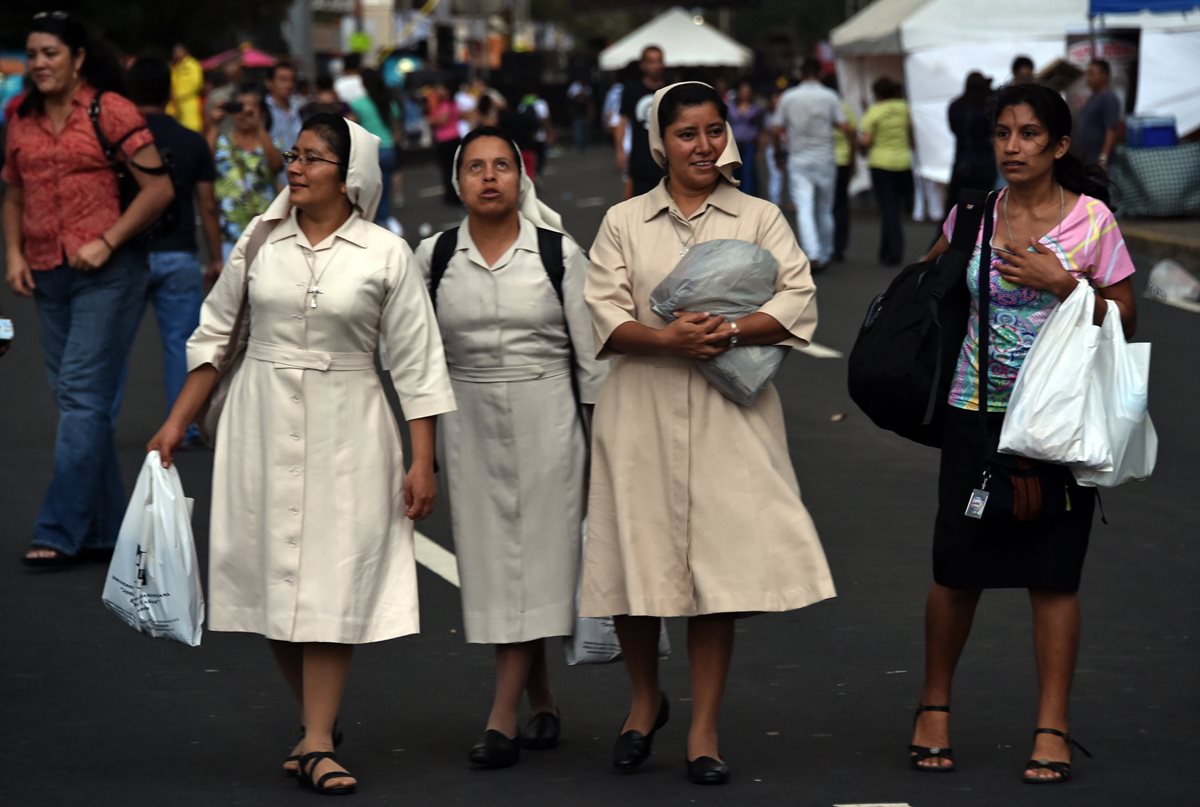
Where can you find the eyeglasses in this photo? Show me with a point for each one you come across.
(290, 157)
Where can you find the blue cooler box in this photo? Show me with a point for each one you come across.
(1150, 131)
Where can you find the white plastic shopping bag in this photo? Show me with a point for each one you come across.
(154, 578)
(1048, 417)
(1120, 383)
(595, 638)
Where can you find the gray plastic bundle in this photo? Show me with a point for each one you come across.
(729, 278)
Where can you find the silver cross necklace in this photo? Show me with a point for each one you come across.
(314, 280)
(684, 246)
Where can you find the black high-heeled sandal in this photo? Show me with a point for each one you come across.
(308, 767)
(337, 740)
(919, 753)
(1063, 769)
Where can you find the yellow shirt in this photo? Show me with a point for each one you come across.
(187, 80)
(887, 124)
(842, 150)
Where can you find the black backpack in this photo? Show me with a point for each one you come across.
(550, 249)
(902, 363)
(127, 184)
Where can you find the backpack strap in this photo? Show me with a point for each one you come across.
(550, 248)
(112, 151)
(443, 251)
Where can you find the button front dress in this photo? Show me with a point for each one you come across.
(694, 506)
(515, 453)
(309, 541)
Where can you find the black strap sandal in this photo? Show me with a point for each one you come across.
(1063, 769)
(300, 732)
(919, 753)
(308, 767)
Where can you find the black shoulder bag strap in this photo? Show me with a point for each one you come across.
(950, 269)
(550, 248)
(443, 251)
(112, 151)
(985, 295)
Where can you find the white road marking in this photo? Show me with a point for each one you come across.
(821, 352)
(591, 201)
(436, 559)
(429, 193)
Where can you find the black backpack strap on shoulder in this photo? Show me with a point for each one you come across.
(550, 248)
(443, 251)
(112, 151)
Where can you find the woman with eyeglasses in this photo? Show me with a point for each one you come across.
(72, 246)
(311, 538)
(247, 162)
(508, 288)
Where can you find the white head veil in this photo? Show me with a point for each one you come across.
(729, 159)
(528, 204)
(364, 180)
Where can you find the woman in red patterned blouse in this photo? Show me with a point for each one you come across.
(72, 248)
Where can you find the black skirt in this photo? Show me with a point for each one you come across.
(971, 553)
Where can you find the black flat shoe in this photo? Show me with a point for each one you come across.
(707, 771)
(632, 747)
(542, 731)
(919, 753)
(308, 767)
(1063, 769)
(494, 750)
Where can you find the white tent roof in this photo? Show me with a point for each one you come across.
(684, 44)
(875, 29)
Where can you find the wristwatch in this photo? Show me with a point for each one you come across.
(733, 338)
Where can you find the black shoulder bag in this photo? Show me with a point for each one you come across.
(127, 184)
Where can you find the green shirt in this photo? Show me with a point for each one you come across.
(841, 143)
(887, 124)
(370, 119)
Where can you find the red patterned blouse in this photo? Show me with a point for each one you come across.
(70, 189)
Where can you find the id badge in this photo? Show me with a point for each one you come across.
(976, 503)
(6, 329)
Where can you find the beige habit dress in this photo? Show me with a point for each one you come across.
(515, 453)
(694, 506)
(309, 541)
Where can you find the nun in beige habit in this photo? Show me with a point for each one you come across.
(515, 453)
(311, 539)
(694, 509)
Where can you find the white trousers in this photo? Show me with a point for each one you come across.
(812, 186)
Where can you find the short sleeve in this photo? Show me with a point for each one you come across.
(794, 305)
(119, 118)
(413, 343)
(589, 371)
(1109, 262)
(608, 289)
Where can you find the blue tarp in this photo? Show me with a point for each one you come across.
(1134, 6)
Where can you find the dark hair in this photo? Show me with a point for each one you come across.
(649, 48)
(692, 94)
(149, 81)
(978, 88)
(282, 64)
(1053, 113)
(1104, 66)
(351, 61)
(101, 69)
(886, 88)
(486, 131)
(324, 82)
(810, 68)
(256, 89)
(379, 94)
(334, 130)
(1021, 63)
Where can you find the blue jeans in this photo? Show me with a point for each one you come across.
(748, 172)
(176, 288)
(387, 167)
(86, 323)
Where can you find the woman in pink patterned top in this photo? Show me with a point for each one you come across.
(1051, 228)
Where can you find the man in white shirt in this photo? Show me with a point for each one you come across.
(284, 105)
(810, 112)
(349, 85)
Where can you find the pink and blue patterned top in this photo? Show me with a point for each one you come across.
(1089, 245)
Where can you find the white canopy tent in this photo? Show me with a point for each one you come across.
(685, 43)
(933, 44)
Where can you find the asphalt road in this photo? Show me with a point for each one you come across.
(819, 703)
